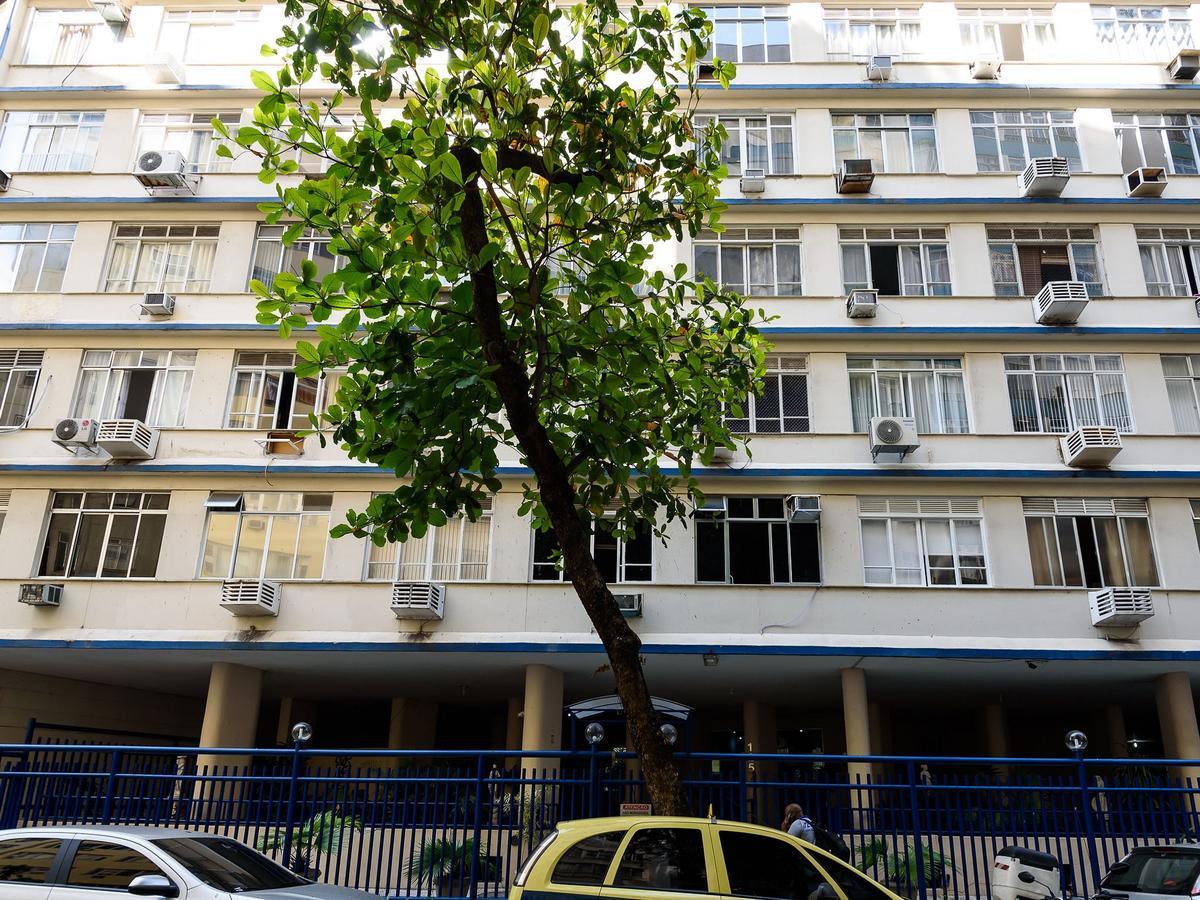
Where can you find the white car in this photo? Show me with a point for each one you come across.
(71, 863)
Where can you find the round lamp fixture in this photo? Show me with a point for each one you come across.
(1076, 741)
(594, 733)
(302, 732)
(669, 733)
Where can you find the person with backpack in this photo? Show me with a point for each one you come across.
(797, 824)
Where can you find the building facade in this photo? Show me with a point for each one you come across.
(823, 598)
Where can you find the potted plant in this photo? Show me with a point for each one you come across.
(320, 834)
(446, 866)
(900, 865)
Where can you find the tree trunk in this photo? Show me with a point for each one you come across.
(622, 645)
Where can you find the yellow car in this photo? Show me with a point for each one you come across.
(660, 857)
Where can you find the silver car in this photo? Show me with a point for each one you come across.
(1154, 873)
(71, 863)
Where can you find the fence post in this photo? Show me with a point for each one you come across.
(290, 820)
(593, 787)
(915, 810)
(477, 831)
(110, 788)
(1089, 826)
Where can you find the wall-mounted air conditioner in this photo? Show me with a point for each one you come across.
(251, 597)
(163, 173)
(706, 71)
(862, 303)
(158, 303)
(753, 181)
(75, 434)
(5, 181)
(418, 600)
(1090, 445)
(1045, 176)
(986, 68)
(856, 177)
(722, 455)
(879, 68)
(127, 439)
(164, 68)
(282, 443)
(1060, 302)
(802, 508)
(893, 434)
(630, 605)
(1146, 181)
(1185, 66)
(114, 12)
(1120, 607)
(39, 594)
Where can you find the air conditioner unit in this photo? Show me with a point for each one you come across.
(1185, 66)
(164, 68)
(803, 508)
(630, 605)
(1045, 176)
(127, 439)
(38, 594)
(1146, 181)
(418, 600)
(75, 433)
(163, 173)
(856, 177)
(754, 181)
(158, 304)
(5, 181)
(986, 68)
(722, 455)
(862, 303)
(1119, 607)
(282, 443)
(706, 71)
(892, 434)
(251, 597)
(1060, 302)
(112, 11)
(879, 68)
(1090, 445)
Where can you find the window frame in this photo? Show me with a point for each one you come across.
(778, 367)
(766, 13)
(23, 242)
(933, 369)
(1137, 39)
(242, 513)
(187, 19)
(311, 238)
(906, 41)
(1132, 123)
(431, 539)
(71, 55)
(920, 512)
(858, 126)
(973, 21)
(109, 284)
(748, 240)
(995, 128)
(711, 870)
(1191, 362)
(198, 123)
(41, 560)
(1161, 242)
(324, 392)
(866, 237)
(773, 122)
(621, 563)
(1091, 508)
(13, 362)
(716, 508)
(1070, 236)
(1064, 375)
(155, 402)
(20, 158)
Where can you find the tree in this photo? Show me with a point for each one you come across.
(498, 287)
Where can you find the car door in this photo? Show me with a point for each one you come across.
(852, 883)
(99, 866)
(756, 866)
(580, 869)
(662, 861)
(25, 866)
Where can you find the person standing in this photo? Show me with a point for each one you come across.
(797, 824)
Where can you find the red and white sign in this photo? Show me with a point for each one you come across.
(635, 809)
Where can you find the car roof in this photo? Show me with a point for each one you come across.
(146, 832)
(624, 822)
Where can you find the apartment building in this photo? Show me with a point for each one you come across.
(1025, 333)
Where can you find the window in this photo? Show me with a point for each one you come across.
(620, 559)
(266, 535)
(1012, 34)
(33, 256)
(456, 551)
(1143, 32)
(770, 868)
(894, 142)
(1196, 518)
(857, 34)
(104, 534)
(227, 865)
(749, 540)
(151, 385)
(1024, 259)
(55, 141)
(161, 258)
(71, 37)
(758, 142)
(190, 133)
(1170, 260)
(272, 256)
(19, 370)
(854, 884)
(98, 864)
(5, 499)
(896, 261)
(664, 859)
(1158, 139)
(587, 862)
(927, 541)
(1090, 542)
(1182, 374)
(761, 262)
(211, 35)
(749, 34)
(266, 393)
(1169, 871)
(782, 407)
(1059, 392)
(1007, 139)
(930, 390)
(27, 860)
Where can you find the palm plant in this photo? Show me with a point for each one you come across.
(900, 866)
(446, 865)
(320, 834)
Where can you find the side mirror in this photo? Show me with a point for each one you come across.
(1026, 877)
(152, 886)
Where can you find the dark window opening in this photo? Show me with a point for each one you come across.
(885, 269)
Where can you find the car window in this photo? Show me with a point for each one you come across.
(854, 884)
(27, 860)
(664, 859)
(760, 866)
(587, 862)
(1156, 870)
(100, 864)
(228, 865)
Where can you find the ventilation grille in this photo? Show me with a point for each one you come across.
(919, 506)
(418, 600)
(10, 359)
(1083, 506)
(249, 597)
(1121, 606)
(5, 497)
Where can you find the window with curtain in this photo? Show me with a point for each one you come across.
(860, 33)
(1170, 260)
(19, 371)
(190, 133)
(1196, 518)
(1059, 392)
(49, 141)
(272, 255)
(750, 540)
(1182, 374)
(930, 390)
(1090, 542)
(922, 541)
(1169, 140)
(1143, 32)
(620, 558)
(211, 35)
(749, 34)
(897, 262)
(275, 535)
(782, 405)
(755, 142)
(1007, 139)
(153, 386)
(1013, 33)
(103, 534)
(762, 262)
(33, 256)
(161, 258)
(266, 394)
(1024, 259)
(894, 142)
(456, 551)
(71, 37)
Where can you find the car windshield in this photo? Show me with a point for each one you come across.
(227, 865)
(1155, 870)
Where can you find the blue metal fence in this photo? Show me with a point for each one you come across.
(459, 824)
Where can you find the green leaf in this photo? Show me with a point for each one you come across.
(308, 351)
(541, 28)
(262, 81)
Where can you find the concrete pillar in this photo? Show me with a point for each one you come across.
(759, 727)
(760, 730)
(412, 724)
(1114, 726)
(230, 720)
(513, 725)
(857, 717)
(995, 734)
(541, 727)
(875, 715)
(1177, 717)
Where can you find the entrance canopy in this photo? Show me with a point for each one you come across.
(607, 706)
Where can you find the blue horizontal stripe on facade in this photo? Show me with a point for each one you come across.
(116, 88)
(978, 85)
